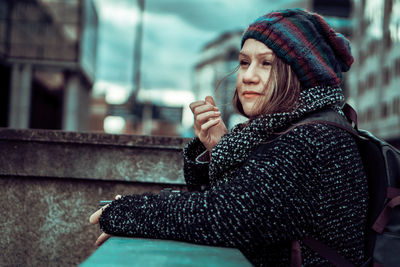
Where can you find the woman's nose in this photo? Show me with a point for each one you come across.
(250, 76)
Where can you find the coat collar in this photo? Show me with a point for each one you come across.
(235, 147)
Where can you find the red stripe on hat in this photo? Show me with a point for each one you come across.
(302, 63)
(315, 52)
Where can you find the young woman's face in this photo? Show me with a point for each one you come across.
(255, 61)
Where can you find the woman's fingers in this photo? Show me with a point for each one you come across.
(204, 108)
(193, 106)
(208, 125)
(210, 100)
(102, 238)
(203, 113)
(206, 116)
(94, 218)
(201, 106)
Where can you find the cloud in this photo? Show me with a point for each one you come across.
(115, 42)
(170, 46)
(119, 12)
(175, 31)
(216, 15)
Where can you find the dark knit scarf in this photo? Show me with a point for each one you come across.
(236, 146)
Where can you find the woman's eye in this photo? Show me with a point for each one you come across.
(266, 63)
(243, 62)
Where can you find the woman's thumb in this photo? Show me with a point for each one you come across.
(210, 100)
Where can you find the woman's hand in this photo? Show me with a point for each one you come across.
(208, 124)
(94, 219)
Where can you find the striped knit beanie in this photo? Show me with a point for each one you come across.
(316, 53)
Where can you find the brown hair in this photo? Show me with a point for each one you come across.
(285, 88)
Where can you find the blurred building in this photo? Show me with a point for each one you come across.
(47, 63)
(98, 113)
(154, 119)
(163, 111)
(374, 81)
(217, 61)
(160, 112)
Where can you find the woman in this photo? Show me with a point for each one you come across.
(269, 181)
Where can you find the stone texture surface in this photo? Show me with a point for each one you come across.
(42, 153)
(88, 161)
(51, 181)
(45, 221)
(92, 138)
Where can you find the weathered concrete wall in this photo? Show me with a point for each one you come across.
(51, 181)
(44, 153)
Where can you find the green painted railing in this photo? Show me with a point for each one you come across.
(123, 251)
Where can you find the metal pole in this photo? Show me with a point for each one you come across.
(138, 50)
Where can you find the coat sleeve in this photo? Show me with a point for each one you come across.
(195, 171)
(271, 198)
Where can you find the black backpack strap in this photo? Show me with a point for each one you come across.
(323, 250)
(351, 115)
(393, 194)
(326, 252)
(331, 117)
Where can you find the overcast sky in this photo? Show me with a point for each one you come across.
(174, 33)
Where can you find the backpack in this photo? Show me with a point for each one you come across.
(381, 163)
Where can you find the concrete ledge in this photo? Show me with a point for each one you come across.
(55, 136)
(46, 153)
(51, 181)
(123, 251)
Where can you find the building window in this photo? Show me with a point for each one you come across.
(385, 110)
(386, 76)
(388, 40)
(361, 117)
(360, 88)
(397, 67)
(370, 115)
(361, 57)
(396, 106)
(371, 81)
(233, 54)
(363, 26)
(373, 47)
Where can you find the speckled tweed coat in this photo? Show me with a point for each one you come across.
(262, 192)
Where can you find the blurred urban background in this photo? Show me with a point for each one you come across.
(133, 66)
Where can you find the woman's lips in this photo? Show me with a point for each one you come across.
(251, 94)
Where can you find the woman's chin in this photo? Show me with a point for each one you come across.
(250, 112)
